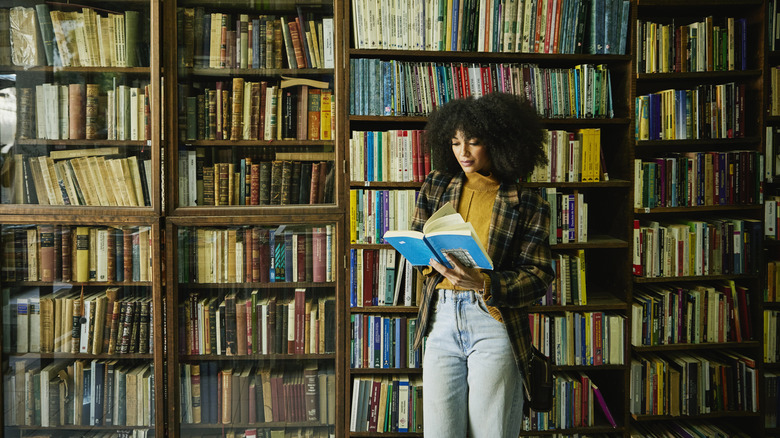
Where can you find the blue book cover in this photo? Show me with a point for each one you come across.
(255, 43)
(377, 329)
(454, 33)
(445, 233)
(397, 342)
(353, 92)
(272, 260)
(288, 256)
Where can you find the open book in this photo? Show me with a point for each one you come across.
(445, 232)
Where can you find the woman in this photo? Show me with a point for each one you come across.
(476, 321)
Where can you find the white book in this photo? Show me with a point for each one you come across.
(102, 255)
(84, 335)
(22, 325)
(122, 107)
(134, 113)
(770, 216)
(34, 315)
(328, 43)
(51, 94)
(192, 180)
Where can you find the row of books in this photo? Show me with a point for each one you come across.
(69, 321)
(569, 286)
(575, 399)
(384, 403)
(568, 216)
(80, 392)
(574, 338)
(79, 254)
(705, 112)
(41, 36)
(90, 178)
(571, 157)
(703, 313)
(373, 212)
(256, 254)
(707, 45)
(403, 88)
(772, 281)
(698, 178)
(717, 246)
(243, 40)
(660, 429)
(239, 324)
(771, 348)
(243, 395)
(55, 111)
(289, 109)
(774, 91)
(397, 155)
(248, 182)
(771, 391)
(530, 26)
(383, 342)
(381, 277)
(680, 383)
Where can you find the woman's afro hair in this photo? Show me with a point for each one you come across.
(504, 123)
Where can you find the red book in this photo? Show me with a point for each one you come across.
(744, 312)
(248, 254)
(254, 185)
(300, 322)
(128, 254)
(373, 405)
(320, 260)
(248, 333)
(315, 183)
(300, 239)
(598, 358)
(368, 277)
(264, 254)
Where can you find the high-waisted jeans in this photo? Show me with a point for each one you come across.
(471, 385)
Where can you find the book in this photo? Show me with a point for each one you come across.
(444, 233)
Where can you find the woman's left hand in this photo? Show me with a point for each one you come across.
(459, 275)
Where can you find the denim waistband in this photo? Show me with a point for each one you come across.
(453, 294)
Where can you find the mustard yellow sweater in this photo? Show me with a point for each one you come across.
(476, 206)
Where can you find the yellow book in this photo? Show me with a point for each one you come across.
(231, 259)
(448, 32)
(90, 166)
(81, 271)
(582, 283)
(353, 216)
(325, 114)
(127, 177)
(132, 163)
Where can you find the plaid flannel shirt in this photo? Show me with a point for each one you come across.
(518, 245)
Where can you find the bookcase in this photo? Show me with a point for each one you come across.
(698, 177)
(254, 178)
(79, 207)
(397, 75)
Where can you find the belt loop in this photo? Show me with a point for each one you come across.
(473, 297)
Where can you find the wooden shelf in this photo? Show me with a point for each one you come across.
(698, 209)
(697, 144)
(647, 418)
(706, 76)
(255, 357)
(384, 309)
(450, 56)
(75, 356)
(140, 71)
(264, 72)
(257, 285)
(384, 185)
(258, 143)
(581, 185)
(594, 242)
(705, 346)
(597, 302)
(363, 371)
(692, 278)
(270, 425)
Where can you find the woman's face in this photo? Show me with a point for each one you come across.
(471, 154)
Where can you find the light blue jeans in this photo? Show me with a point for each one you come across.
(471, 385)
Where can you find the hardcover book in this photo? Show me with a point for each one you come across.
(444, 233)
